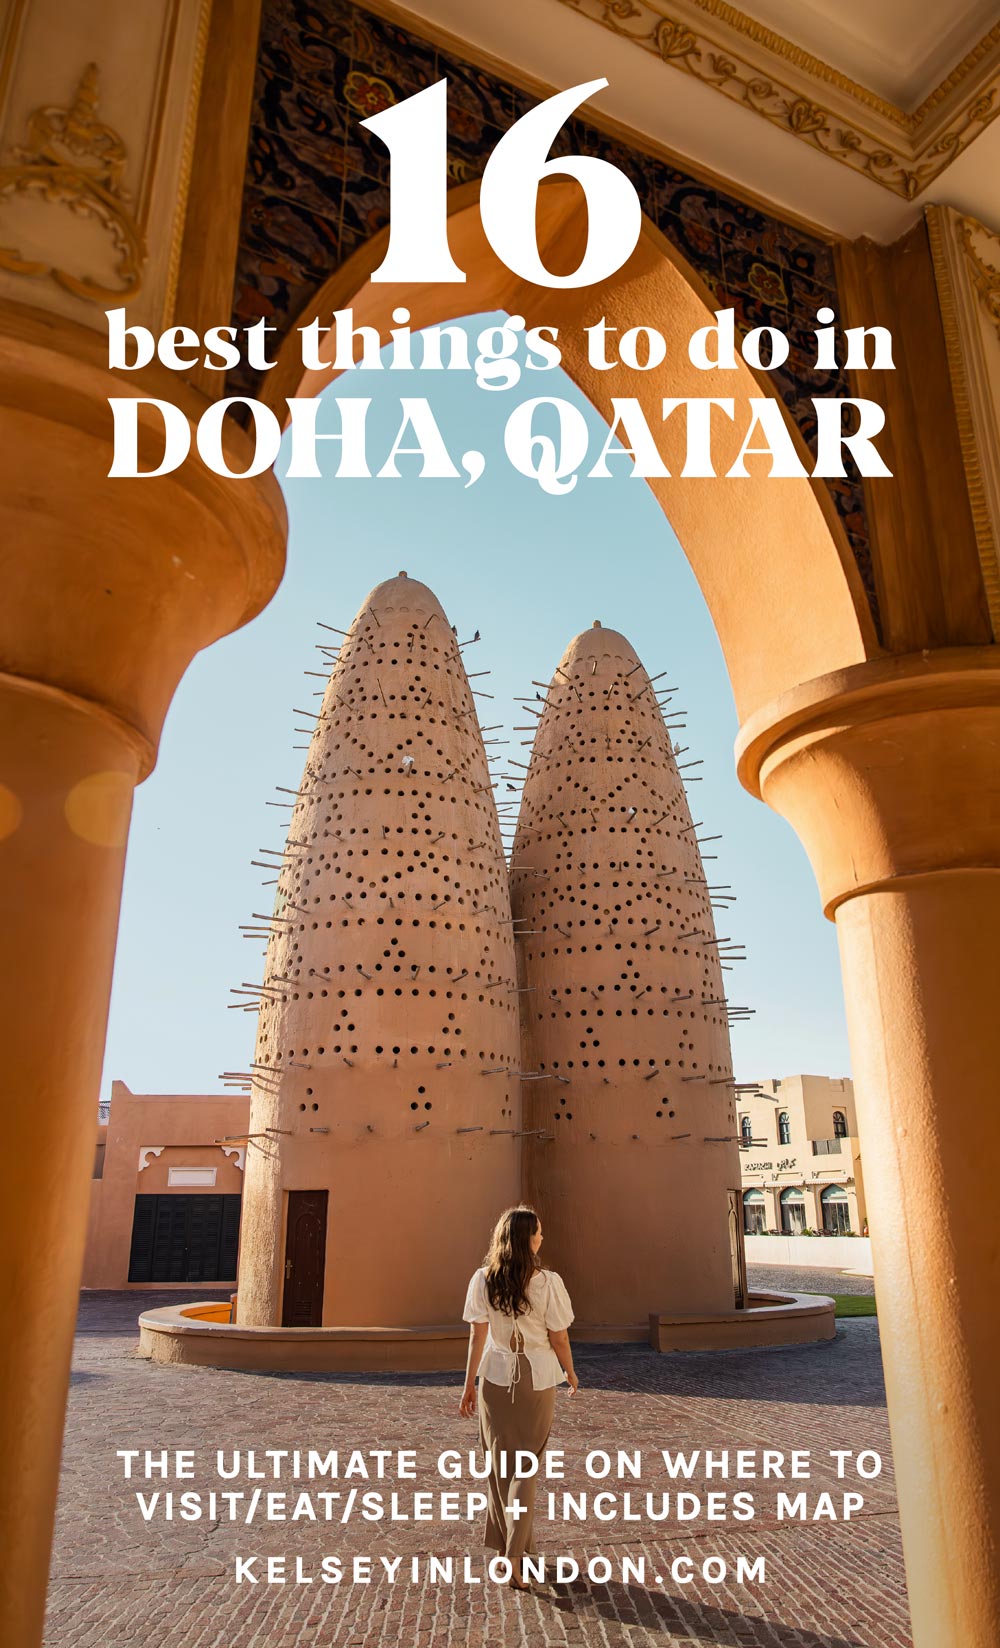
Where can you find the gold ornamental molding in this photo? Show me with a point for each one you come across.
(72, 158)
(983, 272)
(966, 255)
(723, 48)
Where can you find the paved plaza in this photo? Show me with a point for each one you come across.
(796, 1279)
(121, 1582)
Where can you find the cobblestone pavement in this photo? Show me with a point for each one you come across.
(122, 1582)
(790, 1279)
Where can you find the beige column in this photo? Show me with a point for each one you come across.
(814, 1207)
(890, 774)
(109, 589)
(67, 775)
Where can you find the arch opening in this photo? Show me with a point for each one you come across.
(770, 556)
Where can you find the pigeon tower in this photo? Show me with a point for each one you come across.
(386, 1098)
(625, 1034)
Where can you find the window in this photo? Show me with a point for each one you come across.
(754, 1213)
(784, 1128)
(746, 1130)
(839, 1125)
(793, 1210)
(836, 1211)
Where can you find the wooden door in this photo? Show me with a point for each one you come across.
(305, 1259)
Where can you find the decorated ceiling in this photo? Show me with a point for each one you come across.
(317, 187)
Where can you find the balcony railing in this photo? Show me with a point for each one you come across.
(827, 1147)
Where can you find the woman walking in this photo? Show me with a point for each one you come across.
(519, 1346)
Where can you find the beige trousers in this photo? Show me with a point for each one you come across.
(504, 1427)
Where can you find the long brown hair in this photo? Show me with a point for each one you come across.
(509, 1263)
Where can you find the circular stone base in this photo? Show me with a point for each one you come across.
(202, 1336)
(769, 1319)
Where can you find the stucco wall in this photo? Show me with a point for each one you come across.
(821, 1252)
(183, 1128)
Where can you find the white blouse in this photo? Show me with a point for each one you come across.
(548, 1307)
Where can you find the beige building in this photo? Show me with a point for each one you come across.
(168, 1177)
(167, 1190)
(801, 1158)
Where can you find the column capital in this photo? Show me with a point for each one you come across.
(112, 586)
(875, 766)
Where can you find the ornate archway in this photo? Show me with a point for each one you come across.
(771, 556)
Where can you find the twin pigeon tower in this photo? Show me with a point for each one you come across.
(441, 1035)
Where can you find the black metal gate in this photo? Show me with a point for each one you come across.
(184, 1239)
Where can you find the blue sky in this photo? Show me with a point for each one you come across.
(529, 571)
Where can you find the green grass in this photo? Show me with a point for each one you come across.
(855, 1304)
(852, 1304)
